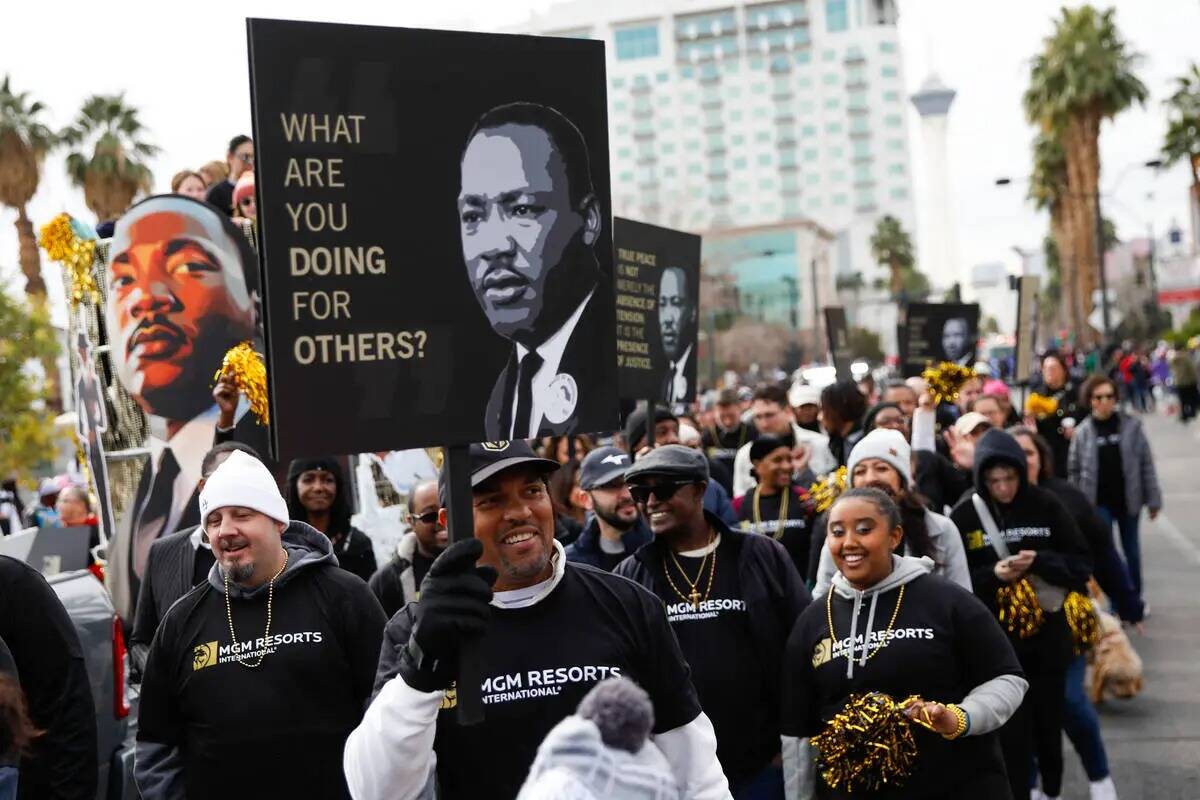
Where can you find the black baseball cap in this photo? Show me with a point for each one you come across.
(603, 465)
(491, 458)
(671, 461)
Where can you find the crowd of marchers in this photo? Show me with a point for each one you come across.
(687, 557)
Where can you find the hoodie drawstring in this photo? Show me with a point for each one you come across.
(858, 596)
(867, 633)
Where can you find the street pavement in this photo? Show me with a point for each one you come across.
(1153, 741)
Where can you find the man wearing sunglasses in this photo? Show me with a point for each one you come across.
(239, 157)
(548, 631)
(396, 582)
(731, 599)
(615, 529)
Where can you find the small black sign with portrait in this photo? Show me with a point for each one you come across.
(435, 235)
(658, 310)
(936, 332)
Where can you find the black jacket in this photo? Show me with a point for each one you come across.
(773, 590)
(356, 554)
(1051, 427)
(53, 674)
(170, 569)
(1034, 520)
(586, 548)
(938, 480)
(1107, 567)
(579, 360)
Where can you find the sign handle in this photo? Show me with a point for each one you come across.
(650, 423)
(460, 519)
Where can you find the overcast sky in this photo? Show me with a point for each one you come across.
(185, 68)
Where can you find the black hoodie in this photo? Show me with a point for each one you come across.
(351, 546)
(1034, 520)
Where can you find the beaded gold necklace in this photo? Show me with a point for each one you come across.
(783, 509)
(270, 601)
(886, 634)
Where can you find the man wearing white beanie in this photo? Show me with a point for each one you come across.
(272, 657)
(883, 460)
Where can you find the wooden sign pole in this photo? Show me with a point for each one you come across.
(460, 520)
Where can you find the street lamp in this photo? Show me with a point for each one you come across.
(1099, 225)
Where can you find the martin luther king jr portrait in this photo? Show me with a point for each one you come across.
(530, 222)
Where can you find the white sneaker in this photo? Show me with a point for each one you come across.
(1103, 789)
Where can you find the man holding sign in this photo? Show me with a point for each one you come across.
(530, 220)
(548, 630)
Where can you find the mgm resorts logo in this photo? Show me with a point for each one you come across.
(204, 655)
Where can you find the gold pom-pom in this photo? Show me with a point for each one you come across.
(945, 379)
(1082, 620)
(246, 369)
(824, 492)
(1020, 611)
(1041, 406)
(62, 244)
(868, 744)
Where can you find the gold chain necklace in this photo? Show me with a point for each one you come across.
(886, 634)
(783, 509)
(270, 598)
(694, 597)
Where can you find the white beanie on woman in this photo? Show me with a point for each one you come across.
(243, 480)
(886, 444)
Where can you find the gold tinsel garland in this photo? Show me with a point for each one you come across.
(1020, 612)
(868, 744)
(1082, 620)
(246, 369)
(824, 492)
(1040, 406)
(63, 244)
(945, 379)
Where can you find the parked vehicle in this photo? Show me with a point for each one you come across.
(103, 641)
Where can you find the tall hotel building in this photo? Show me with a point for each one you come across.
(777, 129)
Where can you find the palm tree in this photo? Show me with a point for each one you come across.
(892, 247)
(1083, 76)
(115, 170)
(1183, 126)
(24, 142)
(1047, 190)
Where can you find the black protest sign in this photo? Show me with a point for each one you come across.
(435, 236)
(838, 337)
(937, 332)
(658, 309)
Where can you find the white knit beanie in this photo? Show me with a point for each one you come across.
(886, 444)
(243, 480)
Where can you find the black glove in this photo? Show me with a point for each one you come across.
(454, 605)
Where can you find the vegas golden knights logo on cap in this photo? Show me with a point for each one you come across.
(205, 655)
(495, 447)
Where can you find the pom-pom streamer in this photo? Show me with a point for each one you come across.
(1020, 612)
(868, 744)
(62, 243)
(945, 380)
(1041, 406)
(824, 492)
(246, 369)
(1082, 620)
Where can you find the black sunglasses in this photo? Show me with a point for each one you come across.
(428, 518)
(663, 491)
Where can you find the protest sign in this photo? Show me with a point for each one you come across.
(434, 219)
(937, 332)
(658, 302)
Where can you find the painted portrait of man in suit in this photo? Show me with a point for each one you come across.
(676, 333)
(182, 289)
(529, 222)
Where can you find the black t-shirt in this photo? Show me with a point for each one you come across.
(717, 642)
(539, 662)
(420, 565)
(943, 644)
(796, 534)
(292, 713)
(1110, 486)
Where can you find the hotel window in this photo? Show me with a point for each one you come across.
(639, 42)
